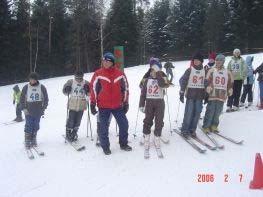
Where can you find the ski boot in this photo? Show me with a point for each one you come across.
(214, 129)
(205, 130)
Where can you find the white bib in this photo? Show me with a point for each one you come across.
(77, 91)
(34, 93)
(220, 79)
(154, 91)
(236, 66)
(196, 78)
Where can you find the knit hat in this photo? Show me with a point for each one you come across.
(198, 56)
(236, 51)
(79, 74)
(155, 61)
(220, 57)
(33, 75)
(212, 56)
(109, 57)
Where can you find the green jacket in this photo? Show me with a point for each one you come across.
(16, 96)
(238, 68)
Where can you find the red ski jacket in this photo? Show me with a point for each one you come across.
(109, 88)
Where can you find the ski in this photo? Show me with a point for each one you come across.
(29, 153)
(75, 145)
(228, 138)
(204, 143)
(191, 143)
(38, 151)
(10, 123)
(213, 140)
(163, 140)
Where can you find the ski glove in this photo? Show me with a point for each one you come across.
(68, 89)
(142, 109)
(181, 96)
(26, 112)
(125, 107)
(93, 109)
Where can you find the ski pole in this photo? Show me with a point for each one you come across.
(176, 120)
(91, 133)
(168, 111)
(135, 130)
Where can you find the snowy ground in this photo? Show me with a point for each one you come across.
(65, 172)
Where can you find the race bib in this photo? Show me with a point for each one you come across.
(153, 90)
(196, 79)
(34, 93)
(220, 79)
(78, 90)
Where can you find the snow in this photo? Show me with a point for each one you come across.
(65, 172)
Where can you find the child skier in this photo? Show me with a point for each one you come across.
(16, 100)
(169, 72)
(152, 104)
(238, 69)
(77, 90)
(211, 61)
(248, 83)
(192, 87)
(259, 70)
(220, 82)
(34, 101)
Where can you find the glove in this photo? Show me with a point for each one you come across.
(181, 96)
(126, 107)
(93, 109)
(206, 83)
(86, 88)
(230, 92)
(142, 109)
(206, 98)
(68, 89)
(14, 102)
(26, 112)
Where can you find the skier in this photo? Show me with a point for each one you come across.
(238, 68)
(219, 86)
(192, 87)
(211, 61)
(34, 101)
(77, 90)
(152, 104)
(259, 70)
(248, 83)
(110, 92)
(169, 72)
(16, 100)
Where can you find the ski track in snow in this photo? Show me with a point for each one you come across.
(65, 172)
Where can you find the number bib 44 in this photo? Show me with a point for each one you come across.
(196, 78)
(220, 79)
(153, 90)
(78, 90)
(34, 93)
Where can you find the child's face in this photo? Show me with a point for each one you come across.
(197, 62)
(219, 63)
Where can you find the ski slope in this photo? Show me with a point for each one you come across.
(67, 173)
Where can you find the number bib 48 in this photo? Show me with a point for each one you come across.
(220, 79)
(153, 90)
(34, 93)
(196, 79)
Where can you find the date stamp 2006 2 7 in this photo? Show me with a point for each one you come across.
(210, 178)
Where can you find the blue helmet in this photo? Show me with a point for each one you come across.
(109, 57)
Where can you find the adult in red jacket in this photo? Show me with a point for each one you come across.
(110, 92)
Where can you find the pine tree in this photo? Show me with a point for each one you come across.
(157, 35)
(121, 30)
